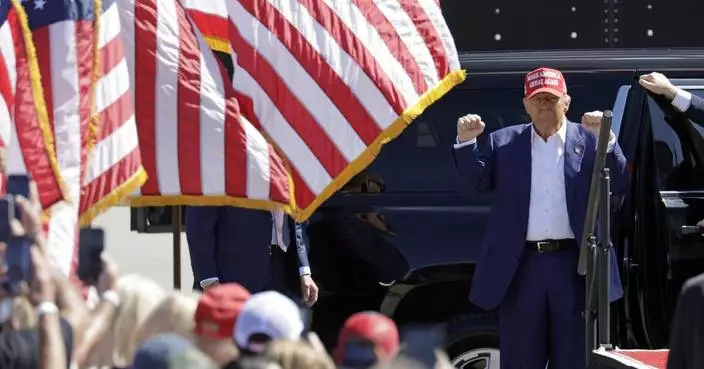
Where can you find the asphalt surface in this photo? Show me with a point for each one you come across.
(150, 255)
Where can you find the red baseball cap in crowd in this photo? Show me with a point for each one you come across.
(217, 310)
(370, 329)
(544, 80)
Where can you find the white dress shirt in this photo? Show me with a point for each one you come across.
(682, 100)
(277, 231)
(547, 213)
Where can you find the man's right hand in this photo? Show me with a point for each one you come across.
(469, 127)
(658, 84)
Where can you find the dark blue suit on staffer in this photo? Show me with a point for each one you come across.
(231, 244)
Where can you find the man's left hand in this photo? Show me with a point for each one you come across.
(592, 121)
(309, 290)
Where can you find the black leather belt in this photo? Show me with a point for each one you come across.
(551, 245)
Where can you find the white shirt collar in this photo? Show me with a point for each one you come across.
(561, 133)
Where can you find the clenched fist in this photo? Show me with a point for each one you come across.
(592, 121)
(469, 127)
(658, 84)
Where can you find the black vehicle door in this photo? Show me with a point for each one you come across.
(668, 198)
(643, 268)
(679, 152)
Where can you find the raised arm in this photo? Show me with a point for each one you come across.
(691, 105)
(615, 160)
(474, 164)
(695, 111)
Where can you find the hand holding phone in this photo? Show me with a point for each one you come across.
(91, 245)
(7, 213)
(18, 259)
(18, 185)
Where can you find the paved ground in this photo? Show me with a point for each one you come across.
(147, 254)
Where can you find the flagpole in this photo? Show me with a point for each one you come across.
(176, 244)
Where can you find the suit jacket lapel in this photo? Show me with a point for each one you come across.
(522, 154)
(574, 152)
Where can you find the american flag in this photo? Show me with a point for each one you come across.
(195, 146)
(211, 19)
(88, 101)
(332, 81)
(114, 167)
(25, 129)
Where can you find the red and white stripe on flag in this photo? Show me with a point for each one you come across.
(25, 128)
(330, 82)
(65, 55)
(114, 164)
(89, 104)
(211, 19)
(196, 148)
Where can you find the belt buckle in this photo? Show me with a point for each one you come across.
(542, 246)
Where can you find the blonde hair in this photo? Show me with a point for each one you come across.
(173, 315)
(297, 355)
(138, 298)
(23, 313)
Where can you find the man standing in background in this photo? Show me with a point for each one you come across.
(249, 247)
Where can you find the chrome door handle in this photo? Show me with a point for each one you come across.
(687, 229)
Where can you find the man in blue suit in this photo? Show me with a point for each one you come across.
(249, 247)
(691, 105)
(540, 173)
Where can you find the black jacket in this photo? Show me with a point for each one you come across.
(687, 335)
(696, 110)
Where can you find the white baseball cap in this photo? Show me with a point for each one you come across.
(269, 313)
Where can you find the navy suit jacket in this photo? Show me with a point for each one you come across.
(504, 166)
(230, 243)
(696, 110)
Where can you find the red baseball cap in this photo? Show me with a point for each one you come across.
(218, 309)
(368, 327)
(544, 80)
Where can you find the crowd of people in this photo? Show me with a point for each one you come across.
(51, 322)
